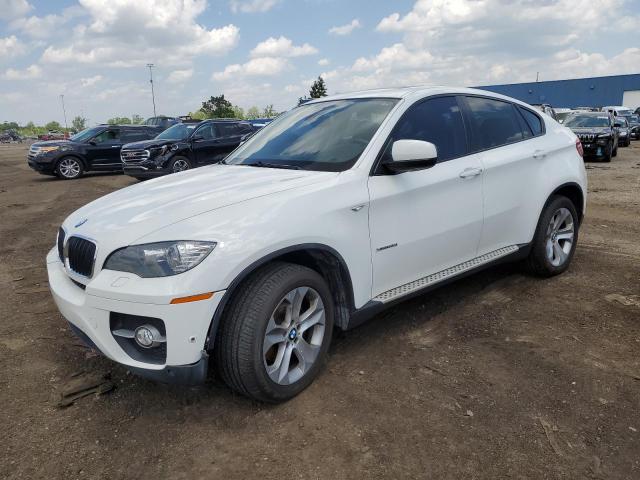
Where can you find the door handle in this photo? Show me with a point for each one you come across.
(470, 172)
(539, 154)
(115, 146)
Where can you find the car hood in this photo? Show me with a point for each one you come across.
(591, 130)
(148, 144)
(122, 217)
(53, 143)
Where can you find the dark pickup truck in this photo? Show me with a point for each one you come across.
(96, 148)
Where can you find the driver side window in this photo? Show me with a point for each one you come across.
(206, 132)
(436, 120)
(108, 136)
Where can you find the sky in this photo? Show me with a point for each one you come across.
(260, 52)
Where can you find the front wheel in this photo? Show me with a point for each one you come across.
(275, 333)
(69, 168)
(555, 239)
(179, 164)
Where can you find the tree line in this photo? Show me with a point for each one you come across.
(214, 107)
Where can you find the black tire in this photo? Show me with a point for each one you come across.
(238, 348)
(69, 168)
(609, 154)
(179, 164)
(538, 262)
(614, 153)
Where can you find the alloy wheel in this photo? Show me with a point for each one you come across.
(69, 167)
(180, 165)
(560, 235)
(294, 334)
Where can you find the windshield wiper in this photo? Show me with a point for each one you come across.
(262, 164)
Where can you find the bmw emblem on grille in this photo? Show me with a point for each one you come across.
(81, 222)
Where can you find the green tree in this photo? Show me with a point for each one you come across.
(53, 126)
(238, 112)
(79, 123)
(198, 115)
(218, 107)
(318, 89)
(269, 112)
(253, 112)
(137, 119)
(119, 121)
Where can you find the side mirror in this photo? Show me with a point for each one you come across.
(92, 143)
(617, 125)
(410, 155)
(197, 138)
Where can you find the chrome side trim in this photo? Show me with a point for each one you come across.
(445, 274)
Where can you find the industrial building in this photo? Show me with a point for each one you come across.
(579, 92)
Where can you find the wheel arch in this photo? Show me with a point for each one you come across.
(319, 257)
(573, 192)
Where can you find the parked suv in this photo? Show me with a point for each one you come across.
(597, 133)
(338, 209)
(96, 148)
(621, 124)
(184, 146)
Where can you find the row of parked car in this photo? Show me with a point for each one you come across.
(160, 146)
(600, 130)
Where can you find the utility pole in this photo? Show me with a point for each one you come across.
(153, 96)
(537, 76)
(64, 112)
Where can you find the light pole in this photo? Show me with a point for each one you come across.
(153, 96)
(64, 112)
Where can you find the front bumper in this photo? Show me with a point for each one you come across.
(594, 149)
(139, 171)
(90, 312)
(44, 164)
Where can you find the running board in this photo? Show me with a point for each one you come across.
(434, 278)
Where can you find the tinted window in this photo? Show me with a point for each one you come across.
(108, 136)
(206, 132)
(227, 129)
(129, 136)
(533, 121)
(438, 121)
(495, 123)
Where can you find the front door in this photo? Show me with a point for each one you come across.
(103, 151)
(425, 221)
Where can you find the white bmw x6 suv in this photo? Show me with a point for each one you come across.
(337, 209)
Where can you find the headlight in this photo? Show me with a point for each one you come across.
(161, 259)
(47, 149)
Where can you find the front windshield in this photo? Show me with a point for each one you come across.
(327, 136)
(561, 117)
(179, 131)
(86, 134)
(633, 119)
(587, 121)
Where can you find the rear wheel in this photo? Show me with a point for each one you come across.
(554, 242)
(275, 333)
(69, 168)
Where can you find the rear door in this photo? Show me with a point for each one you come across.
(229, 137)
(514, 153)
(426, 221)
(103, 151)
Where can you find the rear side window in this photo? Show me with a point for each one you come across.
(533, 121)
(495, 123)
(436, 120)
(228, 129)
(129, 136)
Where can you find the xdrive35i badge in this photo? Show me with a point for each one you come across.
(81, 222)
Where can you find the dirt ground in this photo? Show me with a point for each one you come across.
(499, 375)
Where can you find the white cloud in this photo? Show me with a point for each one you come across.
(323, 62)
(33, 71)
(180, 76)
(282, 47)
(11, 47)
(47, 26)
(345, 29)
(252, 6)
(13, 8)
(124, 33)
(90, 81)
(397, 57)
(262, 66)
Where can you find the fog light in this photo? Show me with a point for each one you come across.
(148, 336)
